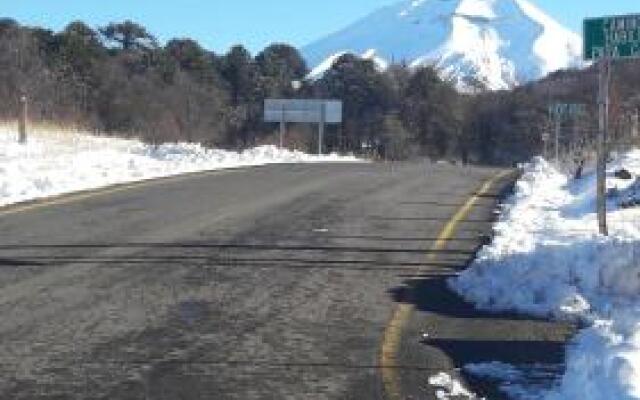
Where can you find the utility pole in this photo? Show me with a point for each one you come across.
(603, 104)
(22, 120)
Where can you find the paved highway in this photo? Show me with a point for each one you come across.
(279, 282)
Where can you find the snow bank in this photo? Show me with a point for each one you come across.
(448, 388)
(55, 162)
(547, 259)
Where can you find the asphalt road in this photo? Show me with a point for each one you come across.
(267, 283)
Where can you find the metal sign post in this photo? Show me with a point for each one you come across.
(558, 112)
(603, 123)
(606, 39)
(283, 128)
(545, 140)
(557, 144)
(323, 118)
(321, 112)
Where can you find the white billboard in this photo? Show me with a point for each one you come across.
(303, 111)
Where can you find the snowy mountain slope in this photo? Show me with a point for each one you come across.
(324, 66)
(501, 43)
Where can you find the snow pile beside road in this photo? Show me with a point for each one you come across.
(547, 259)
(55, 162)
(449, 388)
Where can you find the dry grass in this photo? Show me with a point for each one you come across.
(47, 130)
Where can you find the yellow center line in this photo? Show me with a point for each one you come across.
(393, 333)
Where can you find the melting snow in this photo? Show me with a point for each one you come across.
(449, 388)
(54, 162)
(547, 259)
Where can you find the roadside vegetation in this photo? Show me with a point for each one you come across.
(118, 80)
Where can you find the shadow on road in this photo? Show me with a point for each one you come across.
(465, 335)
(521, 341)
(528, 357)
(430, 293)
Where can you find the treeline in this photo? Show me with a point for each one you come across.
(119, 80)
(512, 126)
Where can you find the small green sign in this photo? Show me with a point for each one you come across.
(560, 110)
(617, 37)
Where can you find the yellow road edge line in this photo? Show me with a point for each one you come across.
(393, 332)
(73, 197)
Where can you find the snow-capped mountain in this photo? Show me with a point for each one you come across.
(501, 43)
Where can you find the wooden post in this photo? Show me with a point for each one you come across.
(603, 103)
(24, 113)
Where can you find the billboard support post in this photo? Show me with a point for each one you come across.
(312, 111)
(323, 117)
(283, 129)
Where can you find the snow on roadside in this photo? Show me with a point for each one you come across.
(547, 259)
(448, 388)
(55, 162)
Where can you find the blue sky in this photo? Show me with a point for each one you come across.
(218, 24)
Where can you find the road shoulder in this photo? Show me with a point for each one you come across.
(445, 334)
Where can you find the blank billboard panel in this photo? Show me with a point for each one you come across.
(303, 111)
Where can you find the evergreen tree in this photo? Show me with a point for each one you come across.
(129, 36)
(367, 95)
(239, 69)
(432, 109)
(280, 65)
(80, 48)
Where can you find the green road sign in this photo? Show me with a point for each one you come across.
(617, 37)
(560, 110)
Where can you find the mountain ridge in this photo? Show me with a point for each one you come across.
(500, 43)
